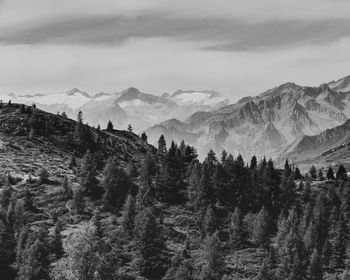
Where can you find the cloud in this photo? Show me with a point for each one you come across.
(157, 65)
(221, 34)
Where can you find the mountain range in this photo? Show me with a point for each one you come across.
(286, 121)
(130, 106)
(273, 123)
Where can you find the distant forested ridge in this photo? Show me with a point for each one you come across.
(106, 205)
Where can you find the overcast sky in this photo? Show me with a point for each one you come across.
(237, 47)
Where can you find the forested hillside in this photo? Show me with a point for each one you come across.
(85, 203)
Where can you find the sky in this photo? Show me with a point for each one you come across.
(236, 47)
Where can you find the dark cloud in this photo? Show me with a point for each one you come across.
(221, 34)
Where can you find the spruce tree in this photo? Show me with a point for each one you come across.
(6, 195)
(149, 244)
(337, 259)
(211, 259)
(129, 213)
(56, 241)
(341, 173)
(237, 230)
(262, 228)
(88, 173)
(78, 203)
(209, 222)
(330, 174)
(28, 200)
(110, 126)
(315, 270)
(297, 174)
(253, 163)
(144, 136)
(313, 172)
(96, 224)
(116, 184)
(162, 145)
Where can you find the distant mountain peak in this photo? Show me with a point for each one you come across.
(131, 90)
(76, 90)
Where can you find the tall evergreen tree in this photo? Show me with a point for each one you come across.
(116, 184)
(88, 173)
(262, 228)
(313, 172)
(330, 174)
(253, 163)
(110, 126)
(162, 145)
(56, 245)
(315, 270)
(209, 222)
(144, 137)
(238, 232)
(149, 245)
(129, 213)
(341, 173)
(78, 203)
(211, 259)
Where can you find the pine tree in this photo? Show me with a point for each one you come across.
(96, 224)
(130, 129)
(144, 136)
(238, 232)
(110, 126)
(36, 258)
(330, 174)
(313, 172)
(297, 174)
(326, 253)
(129, 213)
(211, 259)
(253, 163)
(209, 222)
(6, 195)
(341, 173)
(262, 228)
(338, 246)
(149, 244)
(116, 184)
(162, 145)
(56, 241)
(315, 270)
(28, 200)
(88, 173)
(78, 203)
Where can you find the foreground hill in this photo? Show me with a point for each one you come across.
(264, 124)
(31, 137)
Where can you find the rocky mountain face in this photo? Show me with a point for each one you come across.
(130, 106)
(271, 123)
(328, 147)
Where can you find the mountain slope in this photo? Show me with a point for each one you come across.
(329, 146)
(26, 130)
